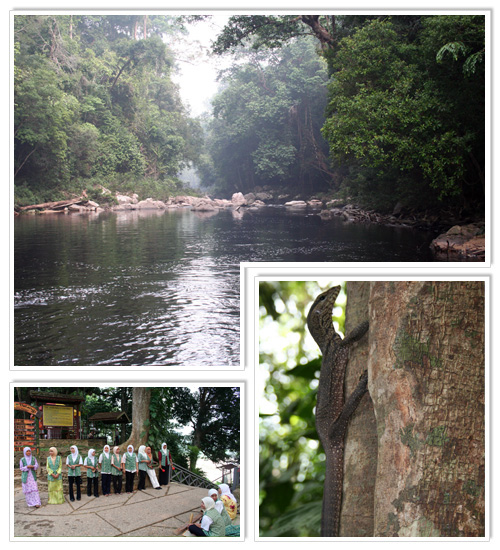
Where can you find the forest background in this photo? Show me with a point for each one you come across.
(376, 108)
(194, 422)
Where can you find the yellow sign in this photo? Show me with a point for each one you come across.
(54, 415)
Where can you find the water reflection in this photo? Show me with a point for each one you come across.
(162, 288)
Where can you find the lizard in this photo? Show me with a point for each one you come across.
(332, 412)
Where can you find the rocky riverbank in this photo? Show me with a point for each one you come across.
(462, 242)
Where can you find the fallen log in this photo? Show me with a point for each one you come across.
(181, 529)
(54, 205)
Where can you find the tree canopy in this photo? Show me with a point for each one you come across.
(95, 105)
(378, 109)
(404, 119)
(207, 419)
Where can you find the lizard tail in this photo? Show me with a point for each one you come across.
(332, 494)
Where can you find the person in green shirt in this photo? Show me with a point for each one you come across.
(105, 464)
(74, 463)
(90, 464)
(143, 467)
(117, 470)
(129, 461)
(54, 477)
(211, 524)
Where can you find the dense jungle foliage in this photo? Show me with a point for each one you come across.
(95, 105)
(380, 109)
(405, 107)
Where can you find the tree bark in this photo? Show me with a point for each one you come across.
(141, 398)
(426, 381)
(54, 204)
(360, 454)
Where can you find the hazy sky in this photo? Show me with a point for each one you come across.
(197, 70)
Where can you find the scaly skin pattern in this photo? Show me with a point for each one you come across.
(332, 413)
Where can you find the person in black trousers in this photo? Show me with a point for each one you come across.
(129, 461)
(90, 465)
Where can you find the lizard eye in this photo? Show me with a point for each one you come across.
(321, 298)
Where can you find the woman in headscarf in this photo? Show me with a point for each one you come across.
(74, 463)
(211, 524)
(231, 530)
(151, 471)
(129, 461)
(143, 467)
(90, 464)
(28, 466)
(116, 470)
(164, 463)
(54, 477)
(228, 499)
(105, 462)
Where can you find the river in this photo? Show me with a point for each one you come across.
(154, 288)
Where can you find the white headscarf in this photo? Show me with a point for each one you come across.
(27, 458)
(74, 455)
(92, 458)
(224, 488)
(213, 492)
(142, 449)
(116, 451)
(106, 454)
(208, 502)
(130, 452)
(164, 446)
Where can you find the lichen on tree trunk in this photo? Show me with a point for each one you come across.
(426, 381)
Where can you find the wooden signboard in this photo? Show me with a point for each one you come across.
(55, 415)
(25, 430)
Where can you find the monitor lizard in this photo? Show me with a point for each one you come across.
(332, 413)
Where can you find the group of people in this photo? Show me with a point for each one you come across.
(110, 467)
(219, 509)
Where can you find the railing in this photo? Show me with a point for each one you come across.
(180, 474)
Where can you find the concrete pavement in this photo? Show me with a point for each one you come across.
(148, 513)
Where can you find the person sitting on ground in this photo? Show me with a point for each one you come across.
(231, 530)
(151, 471)
(211, 524)
(228, 499)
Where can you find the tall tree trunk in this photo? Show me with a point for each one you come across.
(426, 367)
(124, 407)
(360, 455)
(141, 398)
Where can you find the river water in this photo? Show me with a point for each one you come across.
(149, 288)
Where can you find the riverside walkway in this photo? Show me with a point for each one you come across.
(148, 513)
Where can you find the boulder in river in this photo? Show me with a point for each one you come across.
(150, 204)
(204, 205)
(296, 204)
(465, 242)
(238, 200)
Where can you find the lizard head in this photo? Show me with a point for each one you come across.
(319, 318)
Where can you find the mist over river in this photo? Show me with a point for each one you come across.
(154, 288)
